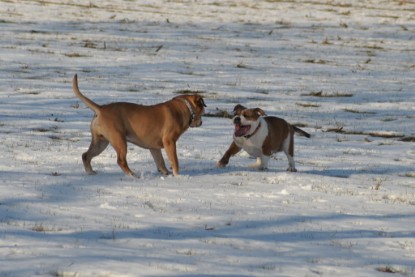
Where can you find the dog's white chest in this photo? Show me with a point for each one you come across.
(253, 145)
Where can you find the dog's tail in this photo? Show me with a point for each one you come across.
(301, 132)
(91, 104)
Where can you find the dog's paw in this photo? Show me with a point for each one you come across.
(164, 172)
(291, 169)
(92, 172)
(220, 164)
(258, 166)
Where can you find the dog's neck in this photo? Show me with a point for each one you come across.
(192, 113)
(256, 130)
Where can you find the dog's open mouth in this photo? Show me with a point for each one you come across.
(241, 130)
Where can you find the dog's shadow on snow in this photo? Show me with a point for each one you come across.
(210, 168)
(347, 173)
(202, 168)
(336, 173)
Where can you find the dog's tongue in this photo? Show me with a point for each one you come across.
(241, 130)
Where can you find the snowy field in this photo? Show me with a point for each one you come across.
(344, 71)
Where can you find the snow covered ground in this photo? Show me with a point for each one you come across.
(342, 70)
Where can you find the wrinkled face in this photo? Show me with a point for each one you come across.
(246, 120)
(198, 106)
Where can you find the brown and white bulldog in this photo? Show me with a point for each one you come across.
(261, 136)
(151, 127)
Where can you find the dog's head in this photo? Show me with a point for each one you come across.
(196, 106)
(246, 120)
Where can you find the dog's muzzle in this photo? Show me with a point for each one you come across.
(240, 130)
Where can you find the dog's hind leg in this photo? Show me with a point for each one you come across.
(291, 163)
(98, 144)
(120, 146)
(158, 159)
(288, 149)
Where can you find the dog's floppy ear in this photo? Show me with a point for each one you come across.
(259, 111)
(238, 109)
(201, 102)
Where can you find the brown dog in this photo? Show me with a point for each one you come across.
(151, 127)
(261, 137)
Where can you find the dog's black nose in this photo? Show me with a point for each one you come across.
(237, 120)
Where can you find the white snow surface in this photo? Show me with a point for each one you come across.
(349, 211)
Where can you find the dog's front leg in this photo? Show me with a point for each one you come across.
(261, 163)
(158, 159)
(170, 148)
(232, 150)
